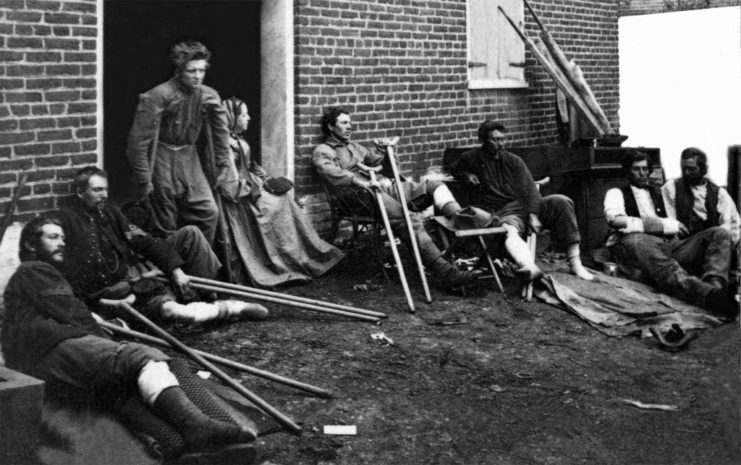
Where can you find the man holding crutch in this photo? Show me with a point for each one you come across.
(50, 334)
(345, 167)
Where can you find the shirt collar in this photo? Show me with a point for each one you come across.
(334, 142)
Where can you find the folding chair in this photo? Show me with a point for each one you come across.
(445, 230)
(360, 209)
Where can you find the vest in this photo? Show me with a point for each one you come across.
(685, 202)
(631, 206)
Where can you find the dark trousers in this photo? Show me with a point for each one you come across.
(556, 213)
(678, 266)
(105, 370)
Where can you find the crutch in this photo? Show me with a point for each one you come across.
(389, 144)
(392, 241)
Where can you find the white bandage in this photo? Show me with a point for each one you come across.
(194, 312)
(154, 378)
(442, 196)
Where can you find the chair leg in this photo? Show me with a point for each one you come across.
(490, 264)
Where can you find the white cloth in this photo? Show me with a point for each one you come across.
(727, 212)
(154, 378)
(614, 207)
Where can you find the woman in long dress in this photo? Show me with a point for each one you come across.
(276, 242)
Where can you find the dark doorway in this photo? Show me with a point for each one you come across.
(137, 38)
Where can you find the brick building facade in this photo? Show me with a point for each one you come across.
(642, 7)
(399, 66)
(49, 99)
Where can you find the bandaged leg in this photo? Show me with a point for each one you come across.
(520, 252)
(445, 202)
(154, 378)
(573, 255)
(199, 312)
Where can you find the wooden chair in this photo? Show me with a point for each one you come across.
(360, 209)
(446, 232)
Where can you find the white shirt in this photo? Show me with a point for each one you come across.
(614, 206)
(727, 212)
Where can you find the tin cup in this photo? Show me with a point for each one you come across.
(610, 268)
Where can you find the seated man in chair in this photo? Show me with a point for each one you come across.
(344, 166)
(507, 187)
(49, 333)
(658, 248)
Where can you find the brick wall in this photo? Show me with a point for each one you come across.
(48, 99)
(642, 7)
(399, 67)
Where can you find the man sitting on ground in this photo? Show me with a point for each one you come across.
(507, 187)
(644, 239)
(103, 259)
(696, 201)
(50, 334)
(344, 166)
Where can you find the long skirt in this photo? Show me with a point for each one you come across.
(276, 242)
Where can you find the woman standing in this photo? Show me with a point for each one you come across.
(275, 240)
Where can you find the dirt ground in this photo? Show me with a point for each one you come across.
(483, 379)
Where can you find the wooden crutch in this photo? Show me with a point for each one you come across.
(392, 241)
(389, 144)
(532, 244)
(260, 403)
(131, 334)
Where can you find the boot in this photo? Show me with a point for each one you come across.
(239, 310)
(720, 304)
(517, 248)
(198, 430)
(450, 275)
(574, 257)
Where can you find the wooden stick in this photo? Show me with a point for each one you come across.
(572, 71)
(11, 207)
(392, 242)
(558, 77)
(286, 302)
(408, 221)
(267, 408)
(295, 298)
(220, 360)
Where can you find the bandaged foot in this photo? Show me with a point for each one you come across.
(518, 249)
(240, 310)
(575, 264)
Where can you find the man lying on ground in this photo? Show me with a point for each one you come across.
(105, 251)
(653, 247)
(50, 334)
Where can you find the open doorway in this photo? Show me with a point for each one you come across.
(137, 37)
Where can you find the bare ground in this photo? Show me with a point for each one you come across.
(510, 382)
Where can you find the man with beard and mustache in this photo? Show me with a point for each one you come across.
(696, 201)
(650, 245)
(161, 148)
(504, 184)
(107, 256)
(50, 334)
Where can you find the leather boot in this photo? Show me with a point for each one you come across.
(450, 275)
(198, 430)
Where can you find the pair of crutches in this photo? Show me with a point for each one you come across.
(389, 145)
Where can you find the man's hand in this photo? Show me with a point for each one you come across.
(143, 190)
(534, 223)
(472, 179)
(180, 281)
(683, 230)
(365, 167)
(383, 142)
